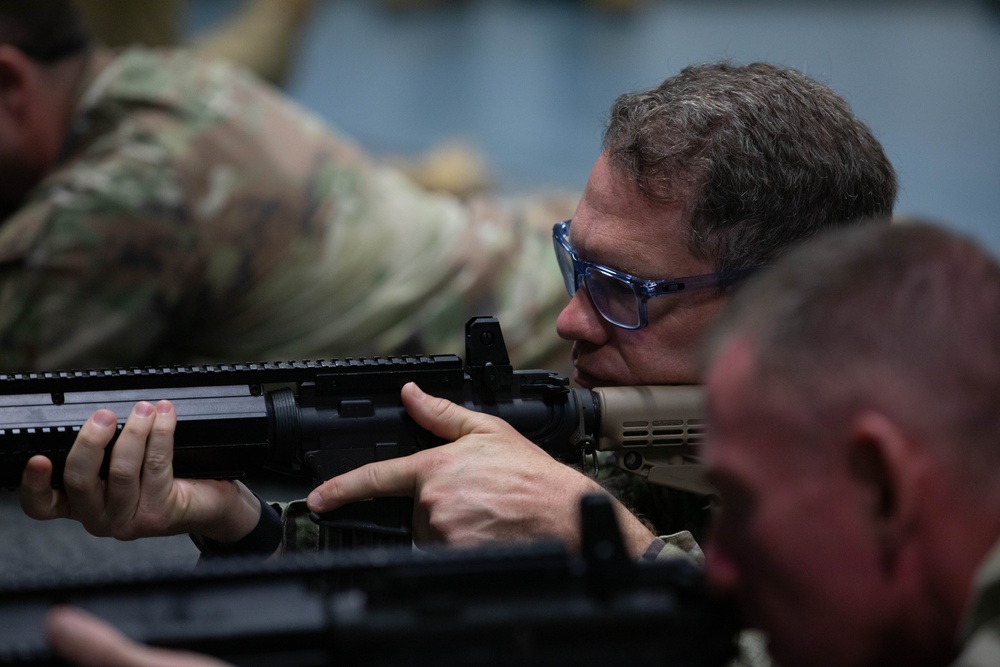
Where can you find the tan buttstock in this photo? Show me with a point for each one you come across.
(656, 432)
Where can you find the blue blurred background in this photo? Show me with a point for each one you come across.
(529, 83)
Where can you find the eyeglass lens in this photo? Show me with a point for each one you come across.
(615, 300)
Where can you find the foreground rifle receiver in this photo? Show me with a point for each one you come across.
(323, 418)
(526, 606)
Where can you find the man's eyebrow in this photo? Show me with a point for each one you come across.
(597, 253)
(600, 256)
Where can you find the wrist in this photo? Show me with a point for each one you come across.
(234, 516)
(263, 538)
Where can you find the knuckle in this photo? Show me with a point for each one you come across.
(374, 477)
(120, 475)
(437, 462)
(92, 443)
(133, 431)
(162, 429)
(438, 529)
(75, 482)
(442, 407)
(157, 462)
(432, 456)
(428, 500)
(132, 524)
(144, 524)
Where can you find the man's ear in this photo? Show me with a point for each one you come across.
(886, 468)
(18, 81)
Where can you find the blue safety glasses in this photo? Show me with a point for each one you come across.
(619, 297)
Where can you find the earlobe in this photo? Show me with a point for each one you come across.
(882, 464)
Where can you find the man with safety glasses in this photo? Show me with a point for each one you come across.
(700, 181)
(621, 299)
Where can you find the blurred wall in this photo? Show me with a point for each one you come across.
(529, 81)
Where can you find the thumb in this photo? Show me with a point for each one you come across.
(37, 497)
(446, 419)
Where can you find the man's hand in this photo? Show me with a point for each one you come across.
(488, 484)
(140, 496)
(90, 642)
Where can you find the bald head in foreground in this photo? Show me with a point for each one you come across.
(854, 410)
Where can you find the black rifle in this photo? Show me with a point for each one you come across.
(323, 418)
(533, 605)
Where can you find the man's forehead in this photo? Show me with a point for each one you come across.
(728, 387)
(612, 191)
(730, 369)
(615, 225)
(755, 429)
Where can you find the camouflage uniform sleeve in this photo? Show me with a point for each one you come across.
(678, 545)
(512, 274)
(402, 270)
(60, 303)
(982, 649)
(385, 266)
(752, 650)
(299, 533)
(981, 631)
(201, 217)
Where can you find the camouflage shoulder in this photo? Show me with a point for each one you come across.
(982, 644)
(678, 545)
(298, 532)
(171, 76)
(752, 650)
(982, 649)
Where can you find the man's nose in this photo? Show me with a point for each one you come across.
(580, 321)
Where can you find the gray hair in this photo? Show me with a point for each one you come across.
(903, 319)
(762, 156)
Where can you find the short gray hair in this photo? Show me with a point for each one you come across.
(762, 156)
(904, 319)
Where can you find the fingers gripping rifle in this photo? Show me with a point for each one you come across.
(323, 418)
